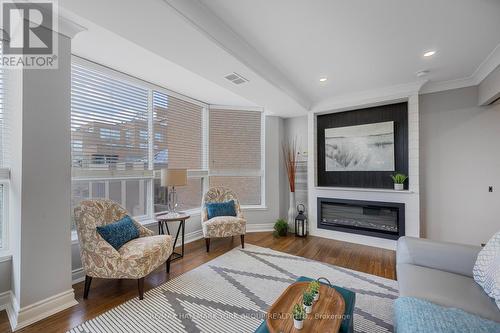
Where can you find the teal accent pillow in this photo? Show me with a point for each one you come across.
(120, 232)
(220, 209)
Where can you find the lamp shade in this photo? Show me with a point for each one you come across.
(173, 177)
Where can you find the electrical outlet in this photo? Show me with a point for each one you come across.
(490, 189)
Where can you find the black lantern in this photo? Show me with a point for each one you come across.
(301, 222)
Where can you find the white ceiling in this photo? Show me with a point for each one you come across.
(284, 46)
(364, 44)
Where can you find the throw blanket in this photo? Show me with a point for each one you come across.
(414, 315)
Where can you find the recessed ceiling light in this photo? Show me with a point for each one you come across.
(323, 79)
(429, 53)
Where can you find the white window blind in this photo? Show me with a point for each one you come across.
(178, 127)
(110, 141)
(178, 143)
(235, 153)
(108, 120)
(2, 125)
(5, 91)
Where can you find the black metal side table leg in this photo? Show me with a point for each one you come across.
(183, 223)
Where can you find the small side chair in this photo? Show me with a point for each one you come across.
(134, 260)
(222, 226)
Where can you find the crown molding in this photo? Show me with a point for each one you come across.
(489, 64)
(438, 86)
(367, 98)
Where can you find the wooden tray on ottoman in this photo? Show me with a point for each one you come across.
(326, 316)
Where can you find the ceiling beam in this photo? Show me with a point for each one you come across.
(208, 23)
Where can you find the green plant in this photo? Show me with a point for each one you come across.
(314, 287)
(307, 298)
(280, 228)
(298, 312)
(399, 178)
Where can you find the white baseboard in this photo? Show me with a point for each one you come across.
(4, 300)
(22, 317)
(260, 227)
(193, 236)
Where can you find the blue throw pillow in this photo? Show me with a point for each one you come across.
(119, 232)
(220, 209)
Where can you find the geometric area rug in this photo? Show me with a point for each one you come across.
(233, 292)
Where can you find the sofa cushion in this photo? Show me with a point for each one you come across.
(142, 255)
(118, 233)
(446, 289)
(487, 268)
(413, 315)
(224, 226)
(226, 208)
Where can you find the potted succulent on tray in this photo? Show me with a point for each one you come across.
(299, 315)
(307, 299)
(399, 181)
(314, 289)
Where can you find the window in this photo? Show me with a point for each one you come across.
(124, 130)
(178, 127)
(107, 164)
(110, 134)
(4, 171)
(235, 138)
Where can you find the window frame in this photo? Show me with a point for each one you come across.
(150, 174)
(262, 172)
(4, 175)
(5, 182)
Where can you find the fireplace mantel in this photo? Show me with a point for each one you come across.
(410, 198)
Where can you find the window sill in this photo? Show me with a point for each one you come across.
(249, 208)
(5, 256)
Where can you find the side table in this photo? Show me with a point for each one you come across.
(164, 220)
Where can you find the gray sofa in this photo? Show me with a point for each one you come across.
(441, 273)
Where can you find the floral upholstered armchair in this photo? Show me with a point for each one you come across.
(222, 226)
(134, 260)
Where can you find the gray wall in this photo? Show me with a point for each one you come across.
(274, 178)
(460, 158)
(43, 255)
(293, 129)
(5, 273)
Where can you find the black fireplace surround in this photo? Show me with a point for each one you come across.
(370, 218)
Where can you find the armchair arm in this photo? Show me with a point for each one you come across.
(449, 257)
(143, 231)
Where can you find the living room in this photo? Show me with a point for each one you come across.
(249, 166)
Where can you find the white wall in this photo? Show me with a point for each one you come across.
(294, 129)
(261, 219)
(460, 158)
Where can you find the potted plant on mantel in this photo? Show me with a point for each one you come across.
(307, 299)
(399, 181)
(299, 315)
(314, 289)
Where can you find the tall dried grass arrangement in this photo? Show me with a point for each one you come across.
(290, 158)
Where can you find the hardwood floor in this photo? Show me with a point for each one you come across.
(106, 294)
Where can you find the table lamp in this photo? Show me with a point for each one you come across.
(172, 178)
